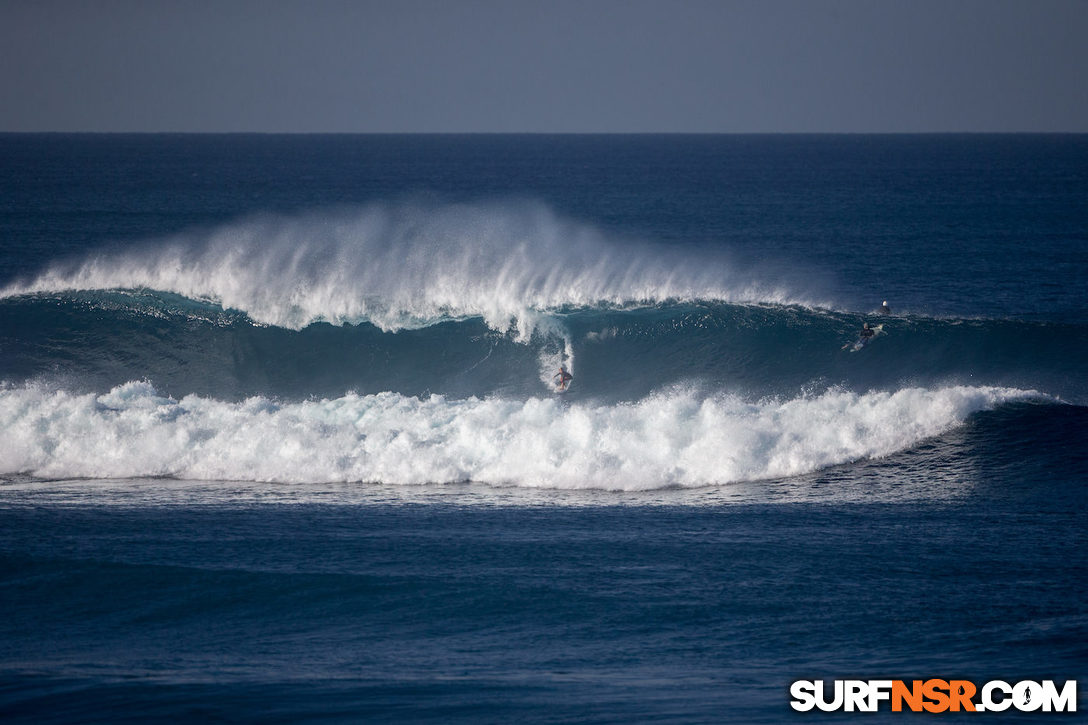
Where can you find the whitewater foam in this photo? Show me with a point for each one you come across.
(675, 438)
(409, 265)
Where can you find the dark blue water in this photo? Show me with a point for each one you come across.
(279, 439)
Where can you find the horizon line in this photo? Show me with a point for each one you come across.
(541, 133)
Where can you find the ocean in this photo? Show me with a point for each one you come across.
(280, 439)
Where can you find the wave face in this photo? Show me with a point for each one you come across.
(97, 341)
(478, 300)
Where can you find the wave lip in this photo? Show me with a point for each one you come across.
(406, 266)
(676, 438)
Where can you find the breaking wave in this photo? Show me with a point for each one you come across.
(408, 265)
(693, 369)
(678, 438)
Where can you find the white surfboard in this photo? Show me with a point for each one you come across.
(863, 341)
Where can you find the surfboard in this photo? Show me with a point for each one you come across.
(863, 341)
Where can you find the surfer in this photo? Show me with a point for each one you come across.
(562, 377)
(884, 309)
(865, 336)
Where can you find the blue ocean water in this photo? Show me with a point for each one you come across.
(279, 438)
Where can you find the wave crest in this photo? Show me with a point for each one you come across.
(410, 265)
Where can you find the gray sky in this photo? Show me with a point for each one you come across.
(558, 66)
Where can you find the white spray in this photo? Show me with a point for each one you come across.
(678, 438)
(408, 265)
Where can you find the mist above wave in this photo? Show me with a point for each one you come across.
(673, 438)
(408, 265)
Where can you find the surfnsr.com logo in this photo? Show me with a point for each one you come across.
(933, 695)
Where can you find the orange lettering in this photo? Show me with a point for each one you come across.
(935, 690)
(961, 692)
(913, 696)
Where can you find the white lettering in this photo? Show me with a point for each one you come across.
(987, 697)
(804, 695)
(879, 690)
(822, 703)
(856, 695)
(1064, 701)
(1027, 696)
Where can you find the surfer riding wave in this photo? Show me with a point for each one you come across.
(562, 379)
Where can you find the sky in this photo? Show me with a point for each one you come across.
(588, 66)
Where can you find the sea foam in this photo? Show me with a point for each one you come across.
(674, 438)
(407, 265)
